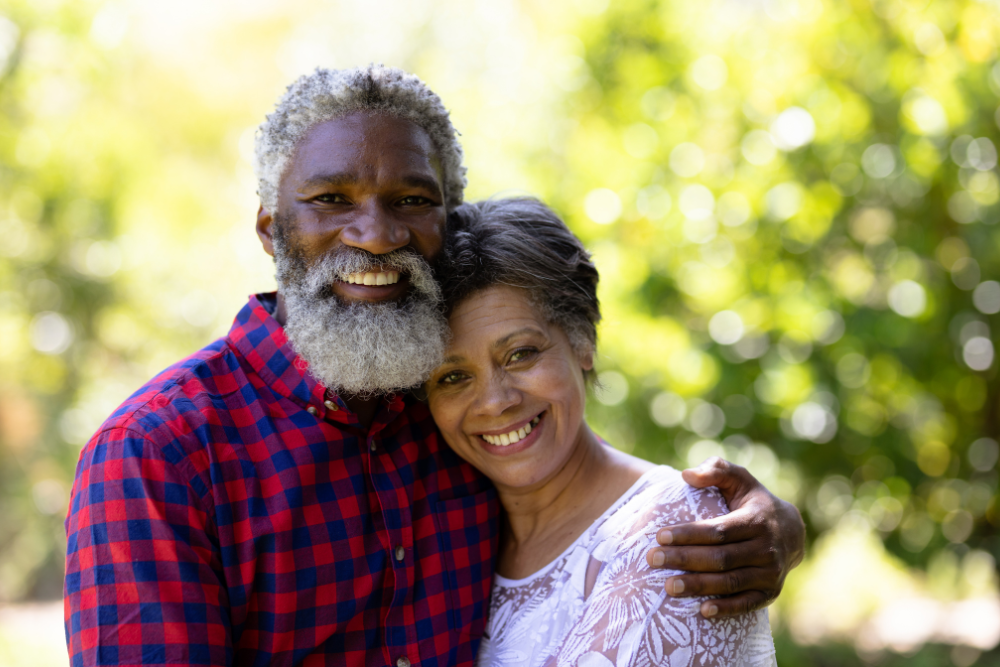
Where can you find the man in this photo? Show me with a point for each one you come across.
(278, 498)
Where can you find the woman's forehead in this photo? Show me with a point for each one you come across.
(493, 309)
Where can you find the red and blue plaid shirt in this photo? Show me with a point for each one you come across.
(234, 512)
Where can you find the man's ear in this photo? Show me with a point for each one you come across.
(586, 359)
(265, 229)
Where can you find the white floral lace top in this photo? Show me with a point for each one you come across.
(600, 605)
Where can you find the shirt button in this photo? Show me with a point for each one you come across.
(330, 405)
(403, 662)
(371, 445)
(311, 409)
(400, 555)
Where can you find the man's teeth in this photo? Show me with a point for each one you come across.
(512, 437)
(372, 278)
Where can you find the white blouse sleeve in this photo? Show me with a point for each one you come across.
(630, 621)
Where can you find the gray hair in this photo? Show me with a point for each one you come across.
(522, 243)
(328, 94)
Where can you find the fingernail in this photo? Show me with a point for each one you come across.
(678, 586)
(658, 558)
(666, 537)
(711, 611)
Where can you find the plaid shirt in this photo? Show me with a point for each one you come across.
(234, 512)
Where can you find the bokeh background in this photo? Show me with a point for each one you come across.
(793, 205)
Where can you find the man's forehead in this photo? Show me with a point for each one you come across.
(347, 145)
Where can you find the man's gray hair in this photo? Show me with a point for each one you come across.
(327, 94)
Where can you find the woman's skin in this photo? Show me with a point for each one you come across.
(505, 368)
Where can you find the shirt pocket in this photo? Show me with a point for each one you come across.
(467, 533)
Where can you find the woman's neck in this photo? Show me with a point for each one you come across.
(543, 520)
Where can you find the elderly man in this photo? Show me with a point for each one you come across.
(278, 498)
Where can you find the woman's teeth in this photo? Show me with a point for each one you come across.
(372, 278)
(513, 436)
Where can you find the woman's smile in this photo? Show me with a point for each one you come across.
(506, 442)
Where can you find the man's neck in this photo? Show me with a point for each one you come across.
(364, 408)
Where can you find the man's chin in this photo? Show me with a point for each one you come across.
(367, 348)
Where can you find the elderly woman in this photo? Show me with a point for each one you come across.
(572, 586)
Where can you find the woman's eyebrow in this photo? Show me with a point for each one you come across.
(500, 342)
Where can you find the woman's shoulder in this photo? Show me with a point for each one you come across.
(660, 498)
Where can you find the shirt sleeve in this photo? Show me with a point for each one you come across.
(143, 577)
(630, 621)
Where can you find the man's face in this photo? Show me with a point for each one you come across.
(364, 181)
(360, 215)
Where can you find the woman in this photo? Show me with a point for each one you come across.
(572, 585)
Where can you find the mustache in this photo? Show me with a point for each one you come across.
(318, 278)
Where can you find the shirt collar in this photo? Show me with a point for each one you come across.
(258, 337)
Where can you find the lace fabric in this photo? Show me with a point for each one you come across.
(600, 605)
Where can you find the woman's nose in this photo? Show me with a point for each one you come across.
(376, 230)
(497, 396)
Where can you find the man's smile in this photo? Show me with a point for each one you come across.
(378, 285)
(380, 277)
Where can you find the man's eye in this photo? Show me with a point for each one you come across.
(414, 200)
(330, 199)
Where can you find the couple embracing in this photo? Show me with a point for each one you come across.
(386, 462)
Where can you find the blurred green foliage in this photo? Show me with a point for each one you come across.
(793, 204)
(794, 207)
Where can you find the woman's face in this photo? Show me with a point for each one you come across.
(509, 397)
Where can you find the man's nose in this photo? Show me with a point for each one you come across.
(376, 230)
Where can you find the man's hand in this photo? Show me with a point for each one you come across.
(744, 555)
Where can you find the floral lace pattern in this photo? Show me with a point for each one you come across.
(600, 605)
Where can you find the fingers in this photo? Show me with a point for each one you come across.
(732, 480)
(743, 603)
(710, 471)
(733, 527)
(725, 583)
(712, 559)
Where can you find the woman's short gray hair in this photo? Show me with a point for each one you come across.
(327, 94)
(522, 243)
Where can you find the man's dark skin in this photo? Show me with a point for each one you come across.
(373, 182)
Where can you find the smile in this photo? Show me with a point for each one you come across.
(510, 438)
(371, 278)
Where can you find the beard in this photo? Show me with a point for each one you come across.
(361, 348)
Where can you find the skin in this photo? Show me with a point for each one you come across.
(506, 366)
(367, 181)
(373, 182)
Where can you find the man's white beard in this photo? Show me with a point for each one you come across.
(361, 348)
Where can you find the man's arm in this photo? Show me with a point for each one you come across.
(140, 584)
(743, 556)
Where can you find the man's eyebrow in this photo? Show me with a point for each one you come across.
(340, 178)
(349, 178)
(415, 181)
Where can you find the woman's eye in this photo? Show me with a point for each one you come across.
(453, 377)
(522, 354)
